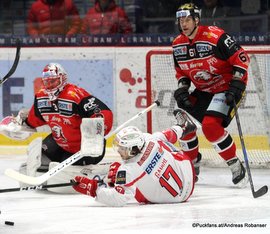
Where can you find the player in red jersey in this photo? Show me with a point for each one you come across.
(152, 170)
(216, 65)
(61, 106)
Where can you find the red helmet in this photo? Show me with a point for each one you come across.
(54, 79)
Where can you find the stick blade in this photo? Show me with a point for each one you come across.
(24, 178)
(263, 190)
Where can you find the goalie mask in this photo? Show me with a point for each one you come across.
(54, 79)
(129, 142)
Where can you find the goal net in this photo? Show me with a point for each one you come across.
(254, 110)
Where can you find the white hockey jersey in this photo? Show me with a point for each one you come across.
(159, 174)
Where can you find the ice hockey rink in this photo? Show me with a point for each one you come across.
(215, 207)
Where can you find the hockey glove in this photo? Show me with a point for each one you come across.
(181, 96)
(22, 116)
(112, 173)
(86, 186)
(234, 93)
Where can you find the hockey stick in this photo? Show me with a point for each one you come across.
(75, 157)
(38, 187)
(15, 63)
(263, 190)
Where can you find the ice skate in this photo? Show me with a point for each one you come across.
(239, 176)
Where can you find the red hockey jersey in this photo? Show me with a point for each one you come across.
(210, 60)
(64, 115)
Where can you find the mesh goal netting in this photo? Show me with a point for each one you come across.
(254, 110)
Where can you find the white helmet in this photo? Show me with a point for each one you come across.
(54, 79)
(129, 142)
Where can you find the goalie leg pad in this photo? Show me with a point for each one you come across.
(33, 161)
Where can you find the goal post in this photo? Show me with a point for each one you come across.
(254, 111)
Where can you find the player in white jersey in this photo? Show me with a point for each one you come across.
(153, 170)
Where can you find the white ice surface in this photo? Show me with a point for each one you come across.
(215, 201)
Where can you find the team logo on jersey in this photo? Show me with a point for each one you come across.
(120, 177)
(202, 47)
(58, 133)
(180, 50)
(202, 76)
(91, 105)
(120, 189)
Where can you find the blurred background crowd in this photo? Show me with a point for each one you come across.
(71, 17)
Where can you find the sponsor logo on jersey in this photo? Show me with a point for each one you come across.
(218, 100)
(212, 61)
(202, 47)
(153, 162)
(146, 153)
(184, 66)
(67, 121)
(210, 34)
(56, 119)
(120, 177)
(229, 42)
(41, 103)
(194, 65)
(66, 106)
(180, 50)
(91, 105)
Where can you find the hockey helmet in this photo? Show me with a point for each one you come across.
(188, 9)
(54, 79)
(129, 142)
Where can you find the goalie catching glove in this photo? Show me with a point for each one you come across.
(86, 186)
(22, 116)
(15, 127)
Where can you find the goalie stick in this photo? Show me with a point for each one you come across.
(15, 63)
(263, 190)
(38, 187)
(75, 157)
